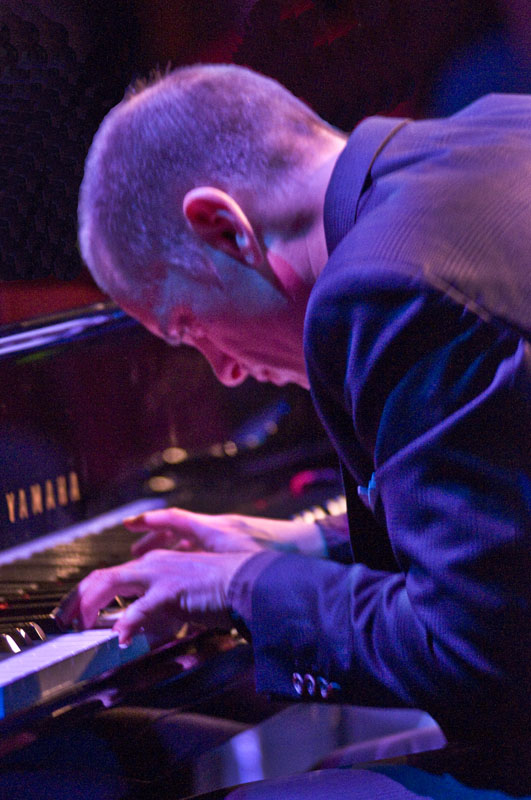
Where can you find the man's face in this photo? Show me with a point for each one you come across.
(236, 350)
(239, 338)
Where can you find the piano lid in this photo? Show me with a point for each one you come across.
(93, 409)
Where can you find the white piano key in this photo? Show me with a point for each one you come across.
(95, 525)
(64, 660)
(59, 664)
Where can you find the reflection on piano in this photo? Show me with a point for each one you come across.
(99, 420)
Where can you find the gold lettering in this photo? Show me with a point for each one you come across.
(23, 512)
(36, 499)
(49, 501)
(75, 494)
(62, 496)
(64, 491)
(10, 500)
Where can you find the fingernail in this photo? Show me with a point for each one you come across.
(57, 615)
(124, 645)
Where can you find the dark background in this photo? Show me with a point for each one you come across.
(64, 63)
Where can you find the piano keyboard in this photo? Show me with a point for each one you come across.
(59, 663)
(33, 578)
(22, 552)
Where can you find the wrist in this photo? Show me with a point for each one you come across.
(312, 542)
(240, 590)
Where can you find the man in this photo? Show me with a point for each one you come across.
(221, 212)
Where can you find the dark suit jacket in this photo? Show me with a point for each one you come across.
(418, 353)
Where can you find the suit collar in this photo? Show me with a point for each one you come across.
(352, 175)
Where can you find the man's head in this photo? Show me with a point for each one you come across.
(186, 186)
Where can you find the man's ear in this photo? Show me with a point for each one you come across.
(220, 222)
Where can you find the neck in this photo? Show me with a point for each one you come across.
(297, 250)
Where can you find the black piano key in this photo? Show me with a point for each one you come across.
(34, 631)
(22, 638)
(27, 609)
(8, 644)
(46, 622)
(24, 572)
(20, 598)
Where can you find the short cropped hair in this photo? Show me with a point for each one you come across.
(218, 125)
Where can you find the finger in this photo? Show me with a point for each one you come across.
(151, 541)
(176, 519)
(127, 628)
(186, 545)
(143, 615)
(97, 590)
(68, 609)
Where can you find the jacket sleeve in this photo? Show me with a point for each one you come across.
(448, 632)
(334, 530)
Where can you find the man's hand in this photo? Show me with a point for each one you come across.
(172, 588)
(225, 533)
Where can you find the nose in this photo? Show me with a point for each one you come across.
(227, 370)
(231, 374)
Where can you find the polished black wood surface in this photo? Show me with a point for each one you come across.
(93, 409)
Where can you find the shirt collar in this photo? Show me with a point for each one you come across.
(351, 175)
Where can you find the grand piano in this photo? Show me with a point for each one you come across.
(100, 420)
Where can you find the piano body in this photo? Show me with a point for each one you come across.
(100, 420)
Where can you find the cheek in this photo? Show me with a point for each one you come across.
(247, 295)
(288, 278)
